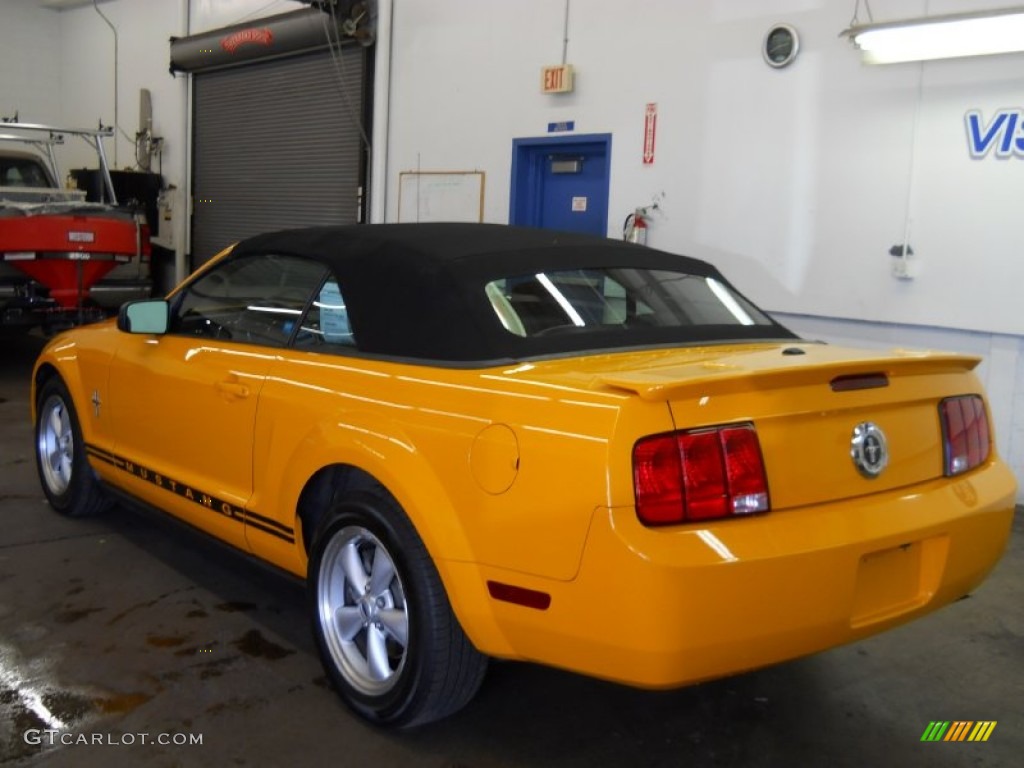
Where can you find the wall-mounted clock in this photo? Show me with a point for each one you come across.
(781, 45)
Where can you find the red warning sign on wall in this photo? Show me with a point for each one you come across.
(650, 130)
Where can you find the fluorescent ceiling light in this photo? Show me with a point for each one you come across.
(941, 37)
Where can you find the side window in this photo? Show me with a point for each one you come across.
(255, 299)
(24, 173)
(543, 303)
(326, 323)
(619, 299)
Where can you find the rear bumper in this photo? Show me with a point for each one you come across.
(662, 608)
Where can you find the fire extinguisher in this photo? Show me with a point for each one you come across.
(634, 229)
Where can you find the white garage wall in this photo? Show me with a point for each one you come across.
(144, 28)
(87, 76)
(58, 66)
(796, 182)
(211, 14)
(29, 63)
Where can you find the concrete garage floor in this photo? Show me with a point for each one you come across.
(128, 625)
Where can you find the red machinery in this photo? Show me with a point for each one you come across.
(53, 236)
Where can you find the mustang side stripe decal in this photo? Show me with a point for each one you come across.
(212, 503)
(252, 518)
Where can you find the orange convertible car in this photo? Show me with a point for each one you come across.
(476, 440)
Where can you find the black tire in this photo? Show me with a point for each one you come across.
(383, 625)
(68, 481)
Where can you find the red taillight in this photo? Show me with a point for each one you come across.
(748, 486)
(965, 433)
(658, 480)
(704, 477)
(700, 474)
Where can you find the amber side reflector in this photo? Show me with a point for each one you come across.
(857, 381)
(510, 593)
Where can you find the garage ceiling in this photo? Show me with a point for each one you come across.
(65, 5)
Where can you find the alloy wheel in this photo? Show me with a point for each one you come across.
(56, 445)
(363, 613)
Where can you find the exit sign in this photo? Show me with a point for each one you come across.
(556, 79)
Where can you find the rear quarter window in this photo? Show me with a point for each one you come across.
(579, 301)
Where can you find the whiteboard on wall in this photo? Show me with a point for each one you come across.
(441, 196)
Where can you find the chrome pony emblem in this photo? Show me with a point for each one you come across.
(869, 450)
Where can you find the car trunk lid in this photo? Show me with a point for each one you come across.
(808, 403)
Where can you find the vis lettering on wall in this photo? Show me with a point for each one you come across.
(1002, 136)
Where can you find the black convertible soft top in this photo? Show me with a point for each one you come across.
(416, 291)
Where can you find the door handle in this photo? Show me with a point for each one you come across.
(232, 389)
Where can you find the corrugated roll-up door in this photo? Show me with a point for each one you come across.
(276, 145)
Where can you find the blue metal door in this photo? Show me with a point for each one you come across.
(561, 183)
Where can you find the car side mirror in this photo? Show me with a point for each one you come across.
(145, 316)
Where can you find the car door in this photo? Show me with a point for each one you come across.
(184, 403)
